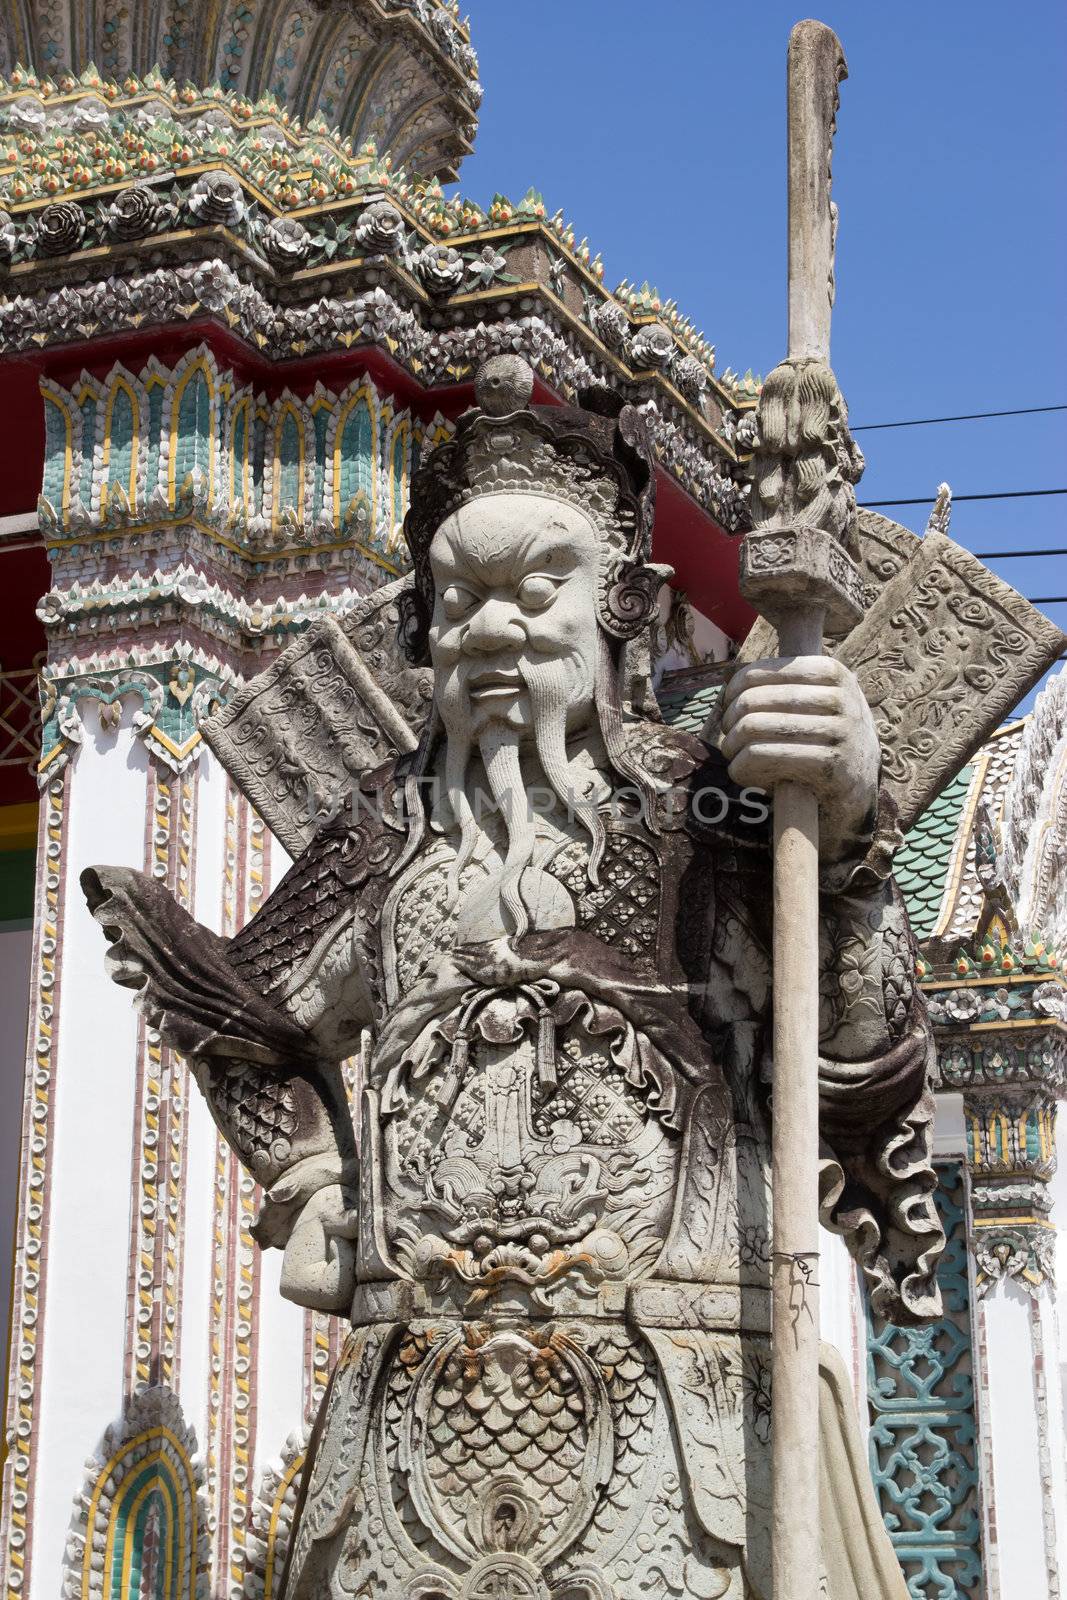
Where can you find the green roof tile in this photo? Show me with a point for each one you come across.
(688, 708)
(923, 861)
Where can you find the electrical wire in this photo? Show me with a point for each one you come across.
(928, 499)
(968, 416)
(1005, 555)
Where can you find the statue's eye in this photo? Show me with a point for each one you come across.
(536, 592)
(457, 601)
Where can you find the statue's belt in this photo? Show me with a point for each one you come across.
(652, 1303)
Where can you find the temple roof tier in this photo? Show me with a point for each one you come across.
(142, 203)
(399, 72)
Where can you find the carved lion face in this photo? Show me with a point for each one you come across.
(514, 599)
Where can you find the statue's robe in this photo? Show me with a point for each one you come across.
(558, 1376)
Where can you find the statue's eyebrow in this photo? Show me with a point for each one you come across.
(443, 554)
(485, 556)
(547, 543)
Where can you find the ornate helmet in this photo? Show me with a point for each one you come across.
(597, 456)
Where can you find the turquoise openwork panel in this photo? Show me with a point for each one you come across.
(923, 1442)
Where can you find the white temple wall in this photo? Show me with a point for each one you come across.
(950, 1136)
(280, 1375)
(1018, 1500)
(1046, 1333)
(95, 1072)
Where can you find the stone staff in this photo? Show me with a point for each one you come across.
(795, 570)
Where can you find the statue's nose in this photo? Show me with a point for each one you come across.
(494, 626)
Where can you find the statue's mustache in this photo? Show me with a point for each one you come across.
(518, 664)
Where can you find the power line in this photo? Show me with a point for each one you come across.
(928, 499)
(1003, 555)
(968, 416)
(1047, 599)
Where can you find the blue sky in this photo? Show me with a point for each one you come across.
(659, 129)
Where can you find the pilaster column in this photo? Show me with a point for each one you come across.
(1003, 1041)
(1011, 1157)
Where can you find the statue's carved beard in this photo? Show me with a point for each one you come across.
(548, 684)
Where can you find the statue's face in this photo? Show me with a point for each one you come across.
(515, 587)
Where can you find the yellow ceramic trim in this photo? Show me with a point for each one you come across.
(1000, 1027)
(179, 751)
(52, 397)
(1002, 981)
(56, 750)
(146, 1437)
(23, 48)
(272, 1531)
(210, 33)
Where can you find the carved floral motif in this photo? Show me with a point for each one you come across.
(60, 227)
(380, 228)
(286, 242)
(217, 197)
(136, 211)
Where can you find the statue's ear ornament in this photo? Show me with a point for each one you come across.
(596, 456)
(628, 598)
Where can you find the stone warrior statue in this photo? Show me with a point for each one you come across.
(545, 930)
